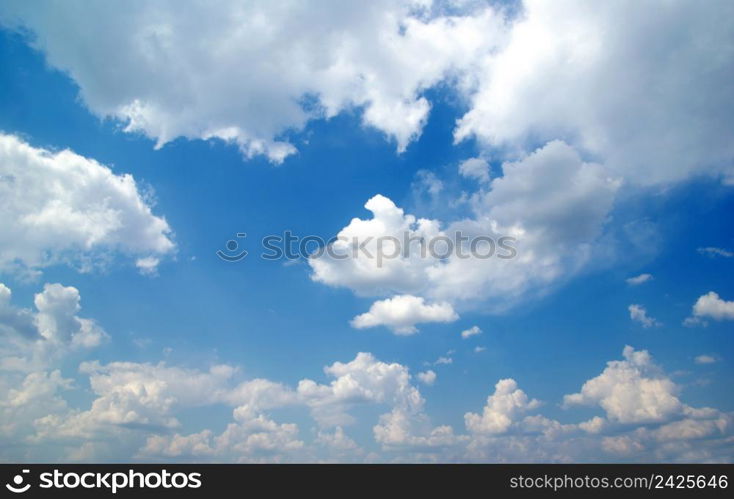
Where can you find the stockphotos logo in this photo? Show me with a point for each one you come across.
(111, 481)
(17, 485)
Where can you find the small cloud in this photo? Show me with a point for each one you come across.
(694, 322)
(713, 252)
(476, 168)
(402, 312)
(639, 314)
(444, 359)
(710, 306)
(640, 279)
(479, 349)
(427, 377)
(428, 181)
(148, 265)
(472, 331)
(705, 359)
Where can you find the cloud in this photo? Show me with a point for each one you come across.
(252, 73)
(444, 360)
(713, 252)
(427, 377)
(640, 279)
(502, 406)
(402, 312)
(62, 207)
(363, 380)
(704, 359)
(472, 331)
(665, 69)
(476, 168)
(710, 306)
(147, 265)
(337, 439)
(633, 390)
(552, 203)
(479, 349)
(138, 409)
(35, 339)
(639, 314)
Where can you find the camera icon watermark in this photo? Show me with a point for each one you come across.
(231, 254)
(17, 486)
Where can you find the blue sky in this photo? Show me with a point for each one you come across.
(592, 216)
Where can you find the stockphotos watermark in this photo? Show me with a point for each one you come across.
(105, 481)
(289, 246)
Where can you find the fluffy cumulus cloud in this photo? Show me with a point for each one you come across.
(502, 406)
(427, 377)
(249, 72)
(667, 66)
(401, 313)
(552, 203)
(252, 73)
(645, 421)
(710, 306)
(36, 338)
(137, 407)
(59, 206)
(633, 390)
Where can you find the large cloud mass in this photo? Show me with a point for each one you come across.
(250, 71)
(63, 207)
(645, 88)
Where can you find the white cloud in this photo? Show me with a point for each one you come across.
(62, 207)
(337, 440)
(361, 271)
(713, 252)
(444, 360)
(593, 425)
(501, 408)
(633, 390)
(476, 168)
(625, 91)
(427, 377)
(552, 202)
(472, 331)
(147, 265)
(362, 380)
(704, 359)
(711, 306)
(640, 279)
(137, 409)
(638, 313)
(402, 312)
(251, 72)
(479, 349)
(405, 429)
(33, 340)
(622, 446)
(250, 439)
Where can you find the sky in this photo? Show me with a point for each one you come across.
(138, 140)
